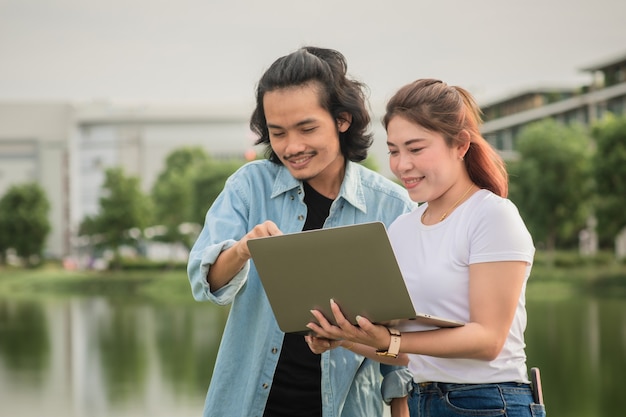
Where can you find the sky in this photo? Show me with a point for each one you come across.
(213, 51)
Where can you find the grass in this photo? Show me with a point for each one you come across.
(554, 276)
(566, 274)
(169, 286)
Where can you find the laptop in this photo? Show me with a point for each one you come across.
(354, 265)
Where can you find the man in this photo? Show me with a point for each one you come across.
(313, 120)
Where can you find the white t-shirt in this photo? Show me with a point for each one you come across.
(435, 260)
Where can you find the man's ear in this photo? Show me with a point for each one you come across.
(344, 121)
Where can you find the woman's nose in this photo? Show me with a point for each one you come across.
(404, 162)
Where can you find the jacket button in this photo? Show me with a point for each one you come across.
(265, 386)
(274, 350)
(300, 217)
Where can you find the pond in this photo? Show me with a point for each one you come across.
(92, 357)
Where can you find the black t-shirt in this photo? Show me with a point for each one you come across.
(296, 390)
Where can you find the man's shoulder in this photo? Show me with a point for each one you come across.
(254, 171)
(376, 182)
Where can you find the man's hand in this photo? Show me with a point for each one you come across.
(230, 262)
(320, 345)
(400, 407)
(265, 229)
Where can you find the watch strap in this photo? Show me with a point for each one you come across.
(394, 344)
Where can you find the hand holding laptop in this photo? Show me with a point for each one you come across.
(354, 265)
(364, 332)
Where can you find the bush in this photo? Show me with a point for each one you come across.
(143, 264)
(572, 259)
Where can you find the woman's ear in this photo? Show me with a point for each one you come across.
(344, 121)
(463, 147)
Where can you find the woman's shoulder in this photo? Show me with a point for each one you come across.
(493, 212)
(491, 204)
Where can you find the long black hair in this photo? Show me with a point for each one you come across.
(325, 69)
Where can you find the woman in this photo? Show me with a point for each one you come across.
(465, 254)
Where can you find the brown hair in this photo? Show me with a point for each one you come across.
(449, 110)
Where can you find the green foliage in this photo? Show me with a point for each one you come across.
(123, 207)
(208, 181)
(552, 183)
(186, 189)
(24, 224)
(610, 175)
(173, 192)
(142, 264)
(572, 259)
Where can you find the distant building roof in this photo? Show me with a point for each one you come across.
(529, 91)
(605, 63)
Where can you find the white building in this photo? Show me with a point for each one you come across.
(139, 139)
(66, 149)
(34, 140)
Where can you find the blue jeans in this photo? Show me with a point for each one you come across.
(438, 399)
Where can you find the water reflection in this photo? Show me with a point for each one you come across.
(580, 346)
(20, 323)
(102, 357)
(85, 357)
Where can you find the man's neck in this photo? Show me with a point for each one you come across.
(328, 184)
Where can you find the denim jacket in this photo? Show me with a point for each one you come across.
(251, 342)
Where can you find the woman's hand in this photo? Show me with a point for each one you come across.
(363, 339)
(365, 333)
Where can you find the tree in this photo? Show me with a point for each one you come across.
(610, 175)
(24, 224)
(209, 180)
(551, 184)
(185, 190)
(173, 192)
(123, 208)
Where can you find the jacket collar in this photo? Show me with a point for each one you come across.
(351, 186)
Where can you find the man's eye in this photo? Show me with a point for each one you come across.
(277, 134)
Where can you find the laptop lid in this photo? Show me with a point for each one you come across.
(354, 265)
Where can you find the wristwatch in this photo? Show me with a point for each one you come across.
(394, 345)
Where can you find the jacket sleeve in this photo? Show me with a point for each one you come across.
(225, 223)
(396, 382)
(198, 269)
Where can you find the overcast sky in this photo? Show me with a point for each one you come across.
(213, 51)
